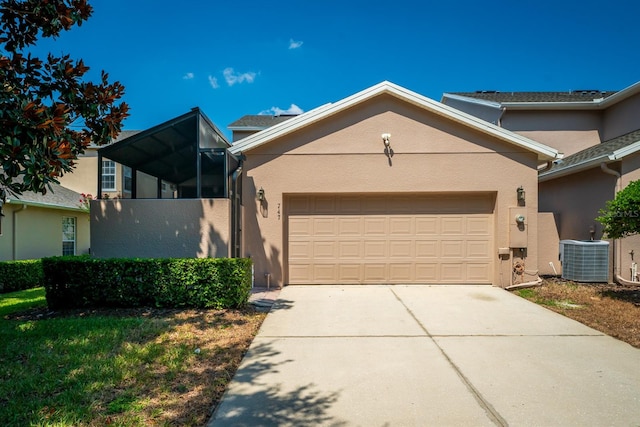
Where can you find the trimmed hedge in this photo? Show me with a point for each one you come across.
(166, 282)
(20, 275)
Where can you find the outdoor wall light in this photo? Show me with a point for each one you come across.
(521, 194)
(260, 195)
(386, 138)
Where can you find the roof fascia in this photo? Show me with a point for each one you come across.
(578, 105)
(45, 205)
(544, 152)
(625, 151)
(621, 95)
(470, 100)
(578, 167)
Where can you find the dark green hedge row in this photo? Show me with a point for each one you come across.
(20, 275)
(76, 282)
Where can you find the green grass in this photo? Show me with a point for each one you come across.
(61, 371)
(22, 300)
(532, 295)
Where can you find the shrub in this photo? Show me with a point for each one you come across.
(71, 282)
(20, 275)
(621, 217)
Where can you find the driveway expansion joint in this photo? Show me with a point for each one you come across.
(490, 411)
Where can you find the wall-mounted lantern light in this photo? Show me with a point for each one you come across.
(386, 139)
(260, 195)
(521, 194)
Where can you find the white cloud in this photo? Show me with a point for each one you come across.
(188, 76)
(213, 82)
(232, 77)
(294, 109)
(295, 44)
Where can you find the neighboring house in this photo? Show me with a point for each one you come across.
(250, 124)
(388, 186)
(36, 225)
(599, 133)
(117, 179)
(84, 178)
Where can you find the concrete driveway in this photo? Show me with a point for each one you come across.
(428, 356)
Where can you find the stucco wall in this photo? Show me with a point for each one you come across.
(622, 117)
(548, 244)
(627, 250)
(566, 131)
(577, 199)
(345, 154)
(84, 178)
(36, 232)
(181, 228)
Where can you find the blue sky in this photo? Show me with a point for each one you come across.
(252, 57)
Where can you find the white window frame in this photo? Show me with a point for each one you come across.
(69, 234)
(108, 174)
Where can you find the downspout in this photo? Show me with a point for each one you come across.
(546, 167)
(503, 109)
(15, 231)
(235, 212)
(616, 242)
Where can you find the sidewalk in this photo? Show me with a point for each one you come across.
(263, 298)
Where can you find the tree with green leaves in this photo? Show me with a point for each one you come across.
(621, 217)
(48, 113)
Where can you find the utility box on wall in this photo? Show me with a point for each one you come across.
(585, 261)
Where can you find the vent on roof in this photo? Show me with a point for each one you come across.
(487, 91)
(587, 91)
(585, 261)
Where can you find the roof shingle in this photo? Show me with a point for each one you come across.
(505, 97)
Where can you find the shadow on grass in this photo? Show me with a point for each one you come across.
(628, 295)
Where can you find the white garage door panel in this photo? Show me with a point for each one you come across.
(390, 239)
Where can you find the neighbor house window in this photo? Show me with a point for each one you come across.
(109, 175)
(127, 183)
(68, 235)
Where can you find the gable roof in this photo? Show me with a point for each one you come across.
(324, 112)
(58, 198)
(576, 99)
(608, 151)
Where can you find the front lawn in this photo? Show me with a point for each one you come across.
(116, 367)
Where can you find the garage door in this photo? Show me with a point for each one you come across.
(343, 239)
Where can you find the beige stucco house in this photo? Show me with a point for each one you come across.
(36, 225)
(384, 186)
(388, 186)
(599, 133)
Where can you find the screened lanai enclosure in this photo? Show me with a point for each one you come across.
(183, 197)
(188, 154)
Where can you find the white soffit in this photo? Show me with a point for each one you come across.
(544, 152)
